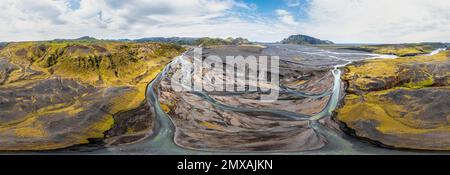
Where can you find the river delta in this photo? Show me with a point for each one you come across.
(332, 100)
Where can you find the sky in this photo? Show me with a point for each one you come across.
(341, 21)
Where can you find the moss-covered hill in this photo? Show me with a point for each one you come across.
(61, 93)
(401, 103)
(400, 50)
(97, 63)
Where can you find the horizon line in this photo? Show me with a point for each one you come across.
(264, 42)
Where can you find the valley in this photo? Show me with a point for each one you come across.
(116, 97)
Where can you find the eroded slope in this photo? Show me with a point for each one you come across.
(401, 103)
(59, 94)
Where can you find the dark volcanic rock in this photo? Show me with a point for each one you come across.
(54, 113)
(131, 126)
(400, 103)
(5, 69)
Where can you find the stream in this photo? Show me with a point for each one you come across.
(162, 142)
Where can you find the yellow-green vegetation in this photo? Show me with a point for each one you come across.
(380, 74)
(400, 102)
(165, 107)
(210, 125)
(218, 41)
(108, 63)
(420, 84)
(99, 63)
(114, 71)
(398, 49)
(391, 117)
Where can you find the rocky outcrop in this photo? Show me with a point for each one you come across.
(400, 103)
(304, 40)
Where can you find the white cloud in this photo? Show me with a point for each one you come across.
(337, 20)
(286, 17)
(48, 19)
(292, 3)
(113, 19)
(248, 6)
(379, 21)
